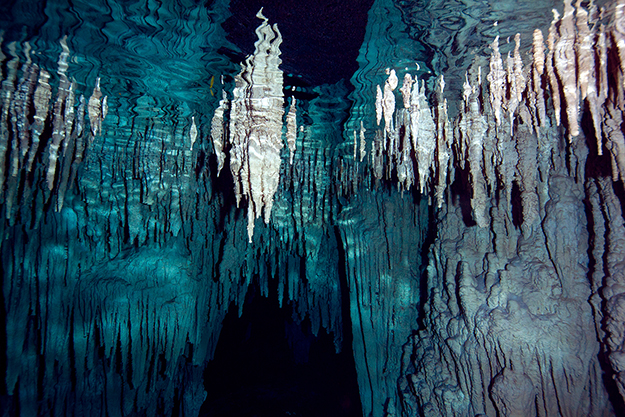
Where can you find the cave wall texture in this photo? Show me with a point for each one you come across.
(462, 191)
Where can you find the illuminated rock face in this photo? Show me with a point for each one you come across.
(465, 227)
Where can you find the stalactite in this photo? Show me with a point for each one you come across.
(69, 142)
(538, 69)
(406, 89)
(565, 59)
(80, 138)
(8, 88)
(404, 166)
(105, 107)
(42, 97)
(602, 52)
(20, 107)
(569, 47)
(516, 81)
(29, 112)
(444, 138)
(95, 109)
(377, 156)
(68, 118)
(379, 109)
(256, 125)
(423, 131)
(58, 121)
(192, 133)
(538, 51)
(363, 143)
(619, 39)
(583, 49)
(549, 66)
(388, 100)
(238, 139)
(19, 126)
(587, 72)
(291, 129)
(497, 79)
(494, 293)
(217, 131)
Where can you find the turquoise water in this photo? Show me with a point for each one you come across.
(126, 254)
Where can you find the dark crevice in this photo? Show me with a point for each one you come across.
(268, 364)
(461, 191)
(517, 205)
(430, 238)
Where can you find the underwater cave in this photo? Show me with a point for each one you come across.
(294, 208)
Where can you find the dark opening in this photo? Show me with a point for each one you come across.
(266, 364)
(517, 205)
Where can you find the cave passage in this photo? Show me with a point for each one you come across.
(268, 364)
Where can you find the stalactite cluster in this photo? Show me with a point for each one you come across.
(149, 252)
(507, 310)
(27, 109)
(505, 125)
(412, 133)
(256, 125)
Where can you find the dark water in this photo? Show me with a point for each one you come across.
(267, 364)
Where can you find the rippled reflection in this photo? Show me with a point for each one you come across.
(165, 50)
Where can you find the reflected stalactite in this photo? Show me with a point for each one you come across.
(27, 111)
(217, 131)
(63, 113)
(256, 113)
(567, 69)
(8, 88)
(97, 109)
(192, 133)
(43, 95)
(500, 294)
(291, 129)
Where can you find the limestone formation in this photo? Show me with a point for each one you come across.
(478, 247)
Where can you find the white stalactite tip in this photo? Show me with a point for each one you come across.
(405, 90)
(379, 110)
(497, 79)
(192, 132)
(388, 101)
(95, 108)
(538, 51)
